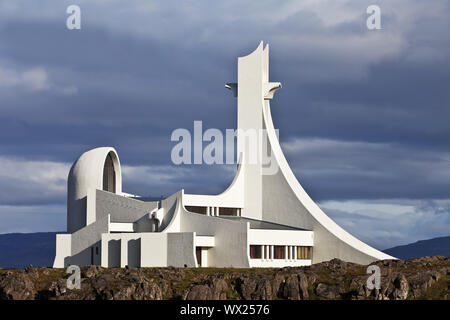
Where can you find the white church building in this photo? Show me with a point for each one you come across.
(263, 219)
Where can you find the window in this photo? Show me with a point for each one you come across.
(196, 209)
(304, 253)
(96, 250)
(279, 252)
(109, 175)
(229, 211)
(198, 254)
(255, 252)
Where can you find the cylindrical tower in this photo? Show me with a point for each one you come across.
(95, 169)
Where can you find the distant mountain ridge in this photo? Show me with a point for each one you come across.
(19, 250)
(432, 247)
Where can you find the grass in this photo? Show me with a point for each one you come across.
(439, 290)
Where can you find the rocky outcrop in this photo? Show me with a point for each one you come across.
(16, 286)
(422, 278)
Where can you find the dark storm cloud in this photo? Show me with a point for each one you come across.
(332, 169)
(129, 93)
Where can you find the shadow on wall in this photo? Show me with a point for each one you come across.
(113, 253)
(144, 224)
(168, 217)
(78, 220)
(82, 258)
(134, 253)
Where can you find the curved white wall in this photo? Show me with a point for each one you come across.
(286, 202)
(86, 175)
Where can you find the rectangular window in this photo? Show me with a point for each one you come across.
(196, 209)
(279, 252)
(255, 252)
(198, 254)
(229, 211)
(304, 253)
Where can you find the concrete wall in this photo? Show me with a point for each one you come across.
(84, 239)
(121, 209)
(181, 249)
(154, 250)
(63, 250)
(87, 174)
(281, 237)
(148, 249)
(230, 238)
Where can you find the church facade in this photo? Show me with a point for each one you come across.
(263, 219)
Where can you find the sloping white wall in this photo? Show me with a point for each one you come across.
(286, 202)
(84, 239)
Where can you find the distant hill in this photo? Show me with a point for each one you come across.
(19, 250)
(431, 247)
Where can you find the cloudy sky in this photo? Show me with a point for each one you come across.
(364, 115)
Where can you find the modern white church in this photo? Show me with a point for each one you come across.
(263, 219)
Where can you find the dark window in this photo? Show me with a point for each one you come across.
(228, 211)
(96, 250)
(198, 253)
(196, 209)
(255, 252)
(279, 252)
(109, 175)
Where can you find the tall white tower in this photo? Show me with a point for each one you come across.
(276, 195)
(253, 90)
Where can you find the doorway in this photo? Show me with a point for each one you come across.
(198, 254)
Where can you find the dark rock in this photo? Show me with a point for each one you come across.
(401, 288)
(16, 286)
(246, 286)
(335, 279)
(199, 292)
(296, 287)
(90, 271)
(327, 291)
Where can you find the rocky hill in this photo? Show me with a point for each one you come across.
(422, 278)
